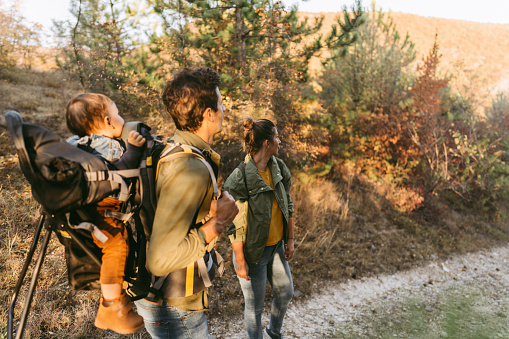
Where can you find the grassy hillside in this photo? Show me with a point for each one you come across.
(481, 47)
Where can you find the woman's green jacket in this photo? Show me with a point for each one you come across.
(254, 198)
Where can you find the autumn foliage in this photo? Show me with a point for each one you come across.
(371, 110)
(409, 129)
(427, 126)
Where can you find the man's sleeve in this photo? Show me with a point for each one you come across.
(181, 188)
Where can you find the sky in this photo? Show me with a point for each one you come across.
(490, 11)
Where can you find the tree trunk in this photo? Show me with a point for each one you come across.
(75, 48)
(116, 35)
(241, 38)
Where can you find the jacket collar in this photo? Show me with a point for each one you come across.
(191, 139)
(255, 179)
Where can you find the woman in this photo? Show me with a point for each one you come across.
(262, 233)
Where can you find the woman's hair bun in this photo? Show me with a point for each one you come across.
(248, 123)
(256, 132)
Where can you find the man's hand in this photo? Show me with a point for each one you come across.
(222, 213)
(135, 139)
(226, 211)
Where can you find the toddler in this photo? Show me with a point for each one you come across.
(95, 120)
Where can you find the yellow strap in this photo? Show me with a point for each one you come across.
(189, 279)
(187, 149)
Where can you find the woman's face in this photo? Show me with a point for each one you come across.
(273, 145)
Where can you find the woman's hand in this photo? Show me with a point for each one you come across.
(135, 139)
(289, 246)
(289, 249)
(243, 269)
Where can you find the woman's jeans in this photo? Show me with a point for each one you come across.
(274, 268)
(166, 321)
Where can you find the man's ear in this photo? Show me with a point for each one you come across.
(208, 114)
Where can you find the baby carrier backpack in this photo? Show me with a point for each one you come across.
(67, 181)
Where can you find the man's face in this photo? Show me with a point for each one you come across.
(220, 111)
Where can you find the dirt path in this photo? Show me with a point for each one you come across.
(352, 305)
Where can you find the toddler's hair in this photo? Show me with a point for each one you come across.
(86, 111)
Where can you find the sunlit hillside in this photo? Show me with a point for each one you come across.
(391, 167)
(481, 47)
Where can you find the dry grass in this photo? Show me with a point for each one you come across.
(57, 311)
(39, 96)
(348, 230)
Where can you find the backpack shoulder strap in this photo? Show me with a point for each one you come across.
(180, 151)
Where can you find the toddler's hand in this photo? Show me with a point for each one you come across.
(135, 139)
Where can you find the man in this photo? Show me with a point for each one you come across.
(187, 220)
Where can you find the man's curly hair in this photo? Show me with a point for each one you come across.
(189, 94)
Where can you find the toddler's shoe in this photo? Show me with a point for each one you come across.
(118, 316)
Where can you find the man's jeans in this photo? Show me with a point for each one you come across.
(274, 268)
(166, 321)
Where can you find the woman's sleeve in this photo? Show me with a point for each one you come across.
(287, 183)
(235, 185)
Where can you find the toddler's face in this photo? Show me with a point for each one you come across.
(116, 121)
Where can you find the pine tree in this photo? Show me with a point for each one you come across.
(235, 36)
(95, 43)
(364, 86)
